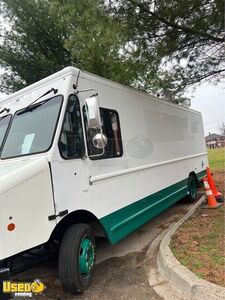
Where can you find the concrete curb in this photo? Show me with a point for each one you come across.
(186, 283)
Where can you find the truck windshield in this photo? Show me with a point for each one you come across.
(32, 131)
(4, 122)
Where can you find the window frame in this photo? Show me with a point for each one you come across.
(6, 132)
(61, 130)
(53, 135)
(119, 128)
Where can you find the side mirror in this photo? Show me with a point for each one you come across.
(92, 112)
(99, 141)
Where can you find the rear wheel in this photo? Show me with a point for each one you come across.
(192, 188)
(77, 258)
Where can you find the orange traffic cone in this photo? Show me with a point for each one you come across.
(218, 195)
(211, 200)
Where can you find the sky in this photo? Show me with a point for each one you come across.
(210, 101)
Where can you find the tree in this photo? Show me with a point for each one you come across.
(221, 128)
(96, 41)
(43, 36)
(32, 43)
(182, 41)
(151, 45)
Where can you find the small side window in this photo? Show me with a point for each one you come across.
(111, 129)
(71, 142)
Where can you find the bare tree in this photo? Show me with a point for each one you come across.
(221, 128)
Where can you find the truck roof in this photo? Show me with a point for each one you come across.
(83, 74)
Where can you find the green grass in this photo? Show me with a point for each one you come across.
(201, 249)
(216, 159)
(199, 242)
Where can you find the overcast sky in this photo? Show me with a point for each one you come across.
(210, 101)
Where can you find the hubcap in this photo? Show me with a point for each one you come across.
(87, 257)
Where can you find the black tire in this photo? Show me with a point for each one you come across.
(70, 252)
(192, 189)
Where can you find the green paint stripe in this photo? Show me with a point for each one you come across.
(120, 223)
(141, 212)
(201, 174)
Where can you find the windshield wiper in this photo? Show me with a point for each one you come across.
(5, 109)
(30, 108)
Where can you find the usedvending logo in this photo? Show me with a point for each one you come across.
(24, 289)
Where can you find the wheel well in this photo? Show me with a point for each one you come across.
(194, 175)
(79, 216)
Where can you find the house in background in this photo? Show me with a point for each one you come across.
(214, 140)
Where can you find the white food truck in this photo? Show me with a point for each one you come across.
(82, 156)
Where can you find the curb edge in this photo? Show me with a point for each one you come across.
(186, 283)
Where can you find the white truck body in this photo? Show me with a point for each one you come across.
(162, 144)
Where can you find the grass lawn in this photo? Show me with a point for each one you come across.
(199, 244)
(216, 159)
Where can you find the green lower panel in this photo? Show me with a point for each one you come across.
(127, 219)
(201, 174)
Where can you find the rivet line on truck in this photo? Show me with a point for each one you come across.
(81, 157)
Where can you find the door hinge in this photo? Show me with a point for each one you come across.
(61, 214)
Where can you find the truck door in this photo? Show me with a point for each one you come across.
(70, 176)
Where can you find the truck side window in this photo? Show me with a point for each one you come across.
(111, 129)
(71, 142)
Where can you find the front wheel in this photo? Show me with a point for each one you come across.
(77, 258)
(192, 188)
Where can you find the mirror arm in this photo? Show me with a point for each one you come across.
(75, 85)
(88, 90)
